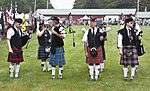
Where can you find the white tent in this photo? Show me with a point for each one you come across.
(85, 18)
(21, 15)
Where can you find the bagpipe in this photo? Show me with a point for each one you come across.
(68, 29)
(28, 30)
(71, 31)
(139, 45)
(25, 40)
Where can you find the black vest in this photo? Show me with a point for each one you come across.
(126, 41)
(57, 41)
(94, 39)
(15, 40)
(45, 39)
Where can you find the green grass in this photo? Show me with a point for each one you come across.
(75, 71)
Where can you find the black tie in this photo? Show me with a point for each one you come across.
(130, 35)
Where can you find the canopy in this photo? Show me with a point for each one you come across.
(85, 18)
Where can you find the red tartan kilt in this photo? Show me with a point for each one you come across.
(16, 56)
(98, 59)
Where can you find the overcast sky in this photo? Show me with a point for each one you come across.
(62, 4)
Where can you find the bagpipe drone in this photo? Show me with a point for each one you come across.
(68, 29)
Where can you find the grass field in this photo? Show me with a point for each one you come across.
(75, 74)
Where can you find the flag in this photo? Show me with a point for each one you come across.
(24, 24)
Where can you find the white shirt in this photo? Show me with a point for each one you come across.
(11, 32)
(120, 37)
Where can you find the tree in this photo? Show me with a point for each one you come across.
(5, 3)
(126, 4)
(23, 6)
(91, 4)
(80, 4)
(144, 4)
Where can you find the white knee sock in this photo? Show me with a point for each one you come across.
(133, 71)
(12, 69)
(60, 70)
(17, 68)
(125, 72)
(97, 71)
(136, 66)
(49, 66)
(102, 66)
(53, 71)
(91, 71)
(44, 67)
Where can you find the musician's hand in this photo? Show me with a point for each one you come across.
(10, 50)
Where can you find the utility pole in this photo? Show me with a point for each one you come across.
(34, 5)
(138, 5)
(13, 7)
(145, 10)
(47, 4)
(16, 6)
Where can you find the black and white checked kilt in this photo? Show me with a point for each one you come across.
(42, 54)
(131, 60)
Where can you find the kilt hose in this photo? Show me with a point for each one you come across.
(129, 60)
(98, 59)
(16, 56)
(42, 54)
(58, 57)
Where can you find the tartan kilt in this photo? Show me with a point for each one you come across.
(42, 54)
(16, 56)
(98, 59)
(129, 60)
(58, 57)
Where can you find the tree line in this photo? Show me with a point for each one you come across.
(25, 6)
(107, 4)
